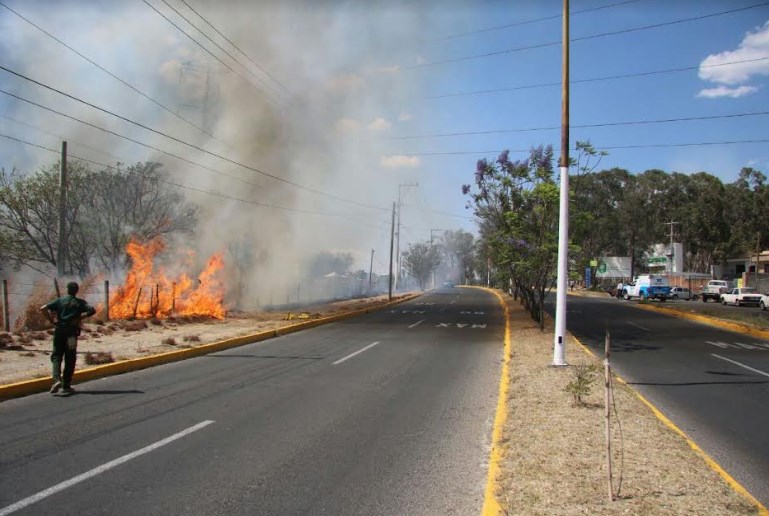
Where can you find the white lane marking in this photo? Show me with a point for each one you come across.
(351, 355)
(479, 326)
(720, 344)
(417, 324)
(453, 302)
(98, 470)
(737, 363)
(638, 326)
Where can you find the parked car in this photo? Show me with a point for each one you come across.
(681, 293)
(764, 303)
(714, 290)
(742, 296)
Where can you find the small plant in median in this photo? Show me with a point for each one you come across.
(98, 357)
(582, 384)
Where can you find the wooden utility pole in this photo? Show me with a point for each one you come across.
(62, 247)
(559, 344)
(392, 245)
(6, 311)
(607, 401)
(370, 270)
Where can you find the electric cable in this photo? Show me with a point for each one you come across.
(582, 126)
(535, 20)
(582, 38)
(593, 79)
(170, 137)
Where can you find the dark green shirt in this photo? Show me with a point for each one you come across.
(68, 311)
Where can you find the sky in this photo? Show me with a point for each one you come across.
(326, 112)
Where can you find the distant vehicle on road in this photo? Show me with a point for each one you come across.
(681, 293)
(742, 297)
(647, 286)
(714, 290)
(448, 284)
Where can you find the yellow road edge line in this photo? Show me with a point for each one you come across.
(712, 321)
(736, 486)
(27, 387)
(491, 506)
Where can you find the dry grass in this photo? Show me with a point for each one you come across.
(554, 458)
(169, 341)
(98, 357)
(191, 338)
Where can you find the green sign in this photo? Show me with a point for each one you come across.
(593, 263)
(602, 267)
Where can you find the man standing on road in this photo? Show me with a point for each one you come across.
(619, 290)
(70, 310)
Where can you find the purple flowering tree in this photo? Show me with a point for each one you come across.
(516, 203)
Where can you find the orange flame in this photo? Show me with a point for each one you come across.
(148, 291)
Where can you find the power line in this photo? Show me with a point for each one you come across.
(650, 145)
(261, 81)
(593, 79)
(582, 126)
(171, 183)
(170, 137)
(97, 65)
(582, 38)
(264, 71)
(535, 20)
(207, 50)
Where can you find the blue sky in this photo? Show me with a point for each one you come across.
(359, 80)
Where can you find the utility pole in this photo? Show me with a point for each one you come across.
(398, 234)
(431, 245)
(672, 253)
(392, 239)
(61, 251)
(559, 347)
(370, 270)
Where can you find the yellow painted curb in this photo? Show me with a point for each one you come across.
(712, 321)
(24, 388)
(667, 422)
(491, 506)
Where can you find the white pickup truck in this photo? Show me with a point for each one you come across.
(714, 290)
(647, 286)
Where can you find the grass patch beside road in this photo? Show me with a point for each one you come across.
(746, 315)
(553, 459)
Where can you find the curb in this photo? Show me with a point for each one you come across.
(27, 387)
(736, 486)
(712, 321)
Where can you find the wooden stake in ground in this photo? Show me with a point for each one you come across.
(136, 304)
(607, 402)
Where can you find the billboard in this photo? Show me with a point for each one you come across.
(613, 267)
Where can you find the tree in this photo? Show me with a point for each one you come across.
(104, 211)
(517, 204)
(420, 260)
(456, 249)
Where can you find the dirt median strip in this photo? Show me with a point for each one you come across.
(27, 387)
(553, 450)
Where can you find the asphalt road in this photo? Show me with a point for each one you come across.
(388, 413)
(712, 383)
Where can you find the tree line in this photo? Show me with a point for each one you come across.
(612, 213)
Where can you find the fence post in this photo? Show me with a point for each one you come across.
(6, 312)
(106, 300)
(173, 297)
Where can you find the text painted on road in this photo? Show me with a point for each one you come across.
(406, 312)
(760, 346)
(471, 312)
(459, 325)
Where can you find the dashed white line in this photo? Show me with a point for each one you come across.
(417, 323)
(741, 365)
(26, 502)
(351, 355)
(638, 326)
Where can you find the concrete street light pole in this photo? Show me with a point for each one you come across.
(559, 347)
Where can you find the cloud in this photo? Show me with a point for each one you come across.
(379, 124)
(725, 91)
(347, 125)
(346, 83)
(399, 161)
(713, 68)
(404, 117)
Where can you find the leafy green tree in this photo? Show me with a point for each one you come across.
(420, 260)
(517, 206)
(456, 249)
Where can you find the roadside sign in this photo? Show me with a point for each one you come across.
(593, 263)
(588, 276)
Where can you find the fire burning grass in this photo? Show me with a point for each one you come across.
(150, 291)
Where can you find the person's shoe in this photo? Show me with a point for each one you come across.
(55, 387)
(68, 390)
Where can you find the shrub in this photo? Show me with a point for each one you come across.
(170, 341)
(582, 384)
(191, 338)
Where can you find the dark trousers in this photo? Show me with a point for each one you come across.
(61, 349)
